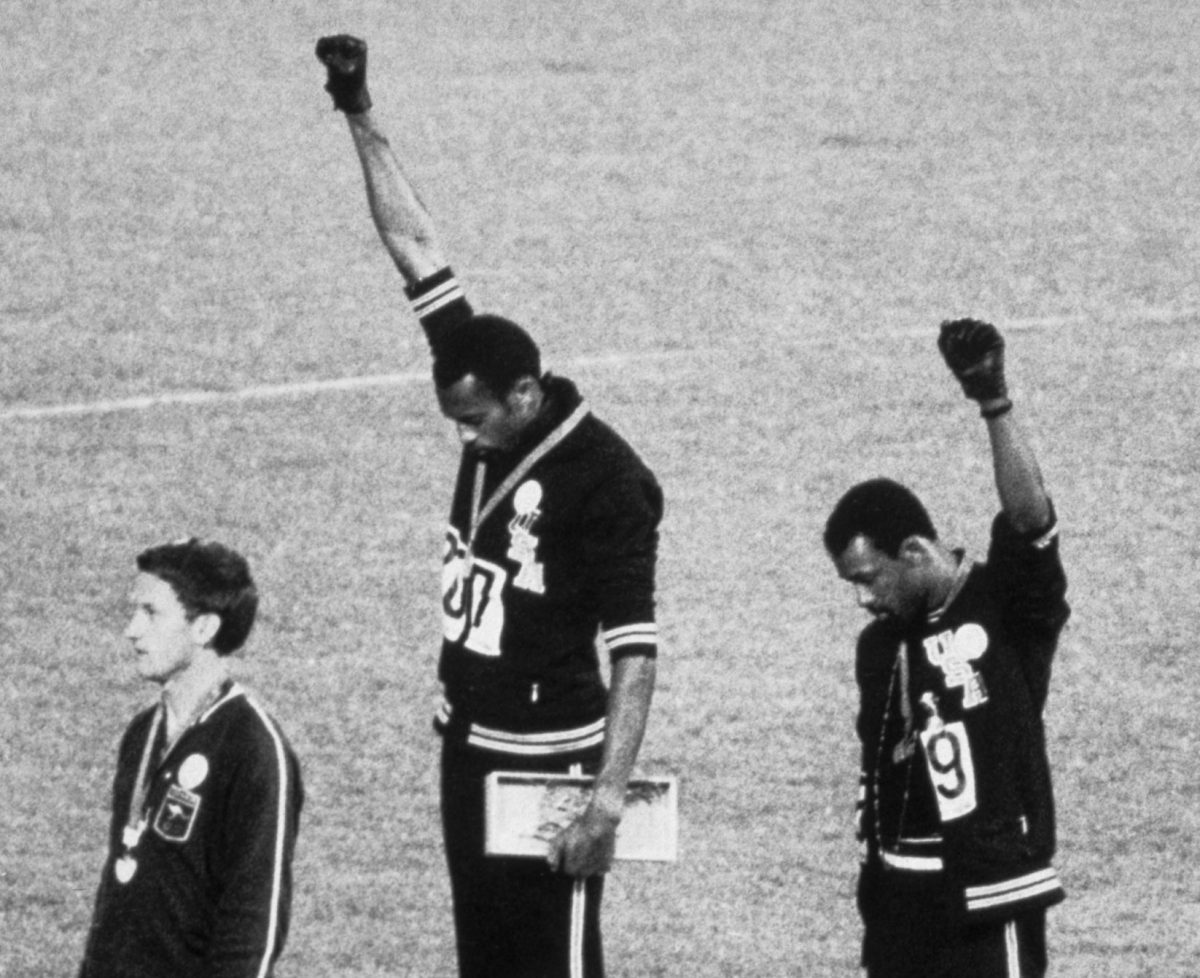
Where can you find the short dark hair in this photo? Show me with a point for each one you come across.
(494, 350)
(883, 511)
(208, 579)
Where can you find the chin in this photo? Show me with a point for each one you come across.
(147, 672)
(893, 618)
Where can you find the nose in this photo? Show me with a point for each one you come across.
(467, 434)
(864, 596)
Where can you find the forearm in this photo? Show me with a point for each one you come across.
(403, 222)
(1018, 479)
(974, 352)
(630, 694)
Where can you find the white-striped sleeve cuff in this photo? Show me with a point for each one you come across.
(1013, 891)
(435, 294)
(636, 639)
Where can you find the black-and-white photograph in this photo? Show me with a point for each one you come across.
(512, 489)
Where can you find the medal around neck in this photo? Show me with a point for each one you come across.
(124, 868)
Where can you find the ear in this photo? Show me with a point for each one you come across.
(205, 628)
(526, 394)
(915, 550)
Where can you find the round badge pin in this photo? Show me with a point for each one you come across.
(193, 771)
(527, 497)
(970, 642)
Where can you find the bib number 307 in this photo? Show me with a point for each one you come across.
(951, 769)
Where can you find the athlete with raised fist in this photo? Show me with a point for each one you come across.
(955, 812)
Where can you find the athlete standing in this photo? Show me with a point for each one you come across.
(956, 815)
(552, 540)
(207, 794)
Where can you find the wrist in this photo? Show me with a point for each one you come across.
(608, 803)
(994, 408)
(353, 103)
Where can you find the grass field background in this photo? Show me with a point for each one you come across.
(737, 226)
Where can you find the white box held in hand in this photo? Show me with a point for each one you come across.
(526, 810)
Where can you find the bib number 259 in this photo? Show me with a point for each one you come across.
(951, 769)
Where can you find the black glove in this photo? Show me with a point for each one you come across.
(974, 352)
(345, 57)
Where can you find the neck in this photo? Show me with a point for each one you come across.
(945, 579)
(188, 693)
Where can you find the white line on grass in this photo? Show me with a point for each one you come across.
(1150, 316)
(297, 388)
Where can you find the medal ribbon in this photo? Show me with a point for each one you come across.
(898, 690)
(547, 444)
(141, 786)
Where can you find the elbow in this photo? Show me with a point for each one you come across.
(1030, 517)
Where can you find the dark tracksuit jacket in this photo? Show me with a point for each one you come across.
(956, 812)
(205, 889)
